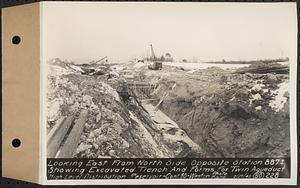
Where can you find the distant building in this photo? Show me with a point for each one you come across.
(184, 61)
(168, 57)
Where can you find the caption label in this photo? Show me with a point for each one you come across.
(167, 168)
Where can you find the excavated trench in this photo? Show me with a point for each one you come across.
(231, 121)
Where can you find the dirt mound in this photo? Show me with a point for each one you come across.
(261, 68)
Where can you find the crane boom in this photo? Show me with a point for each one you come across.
(95, 62)
(100, 60)
(152, 52)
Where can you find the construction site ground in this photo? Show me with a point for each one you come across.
(174, 112)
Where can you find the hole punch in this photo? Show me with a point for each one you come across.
(16, 142)
(16, 40)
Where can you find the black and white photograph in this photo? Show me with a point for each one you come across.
(170, 81)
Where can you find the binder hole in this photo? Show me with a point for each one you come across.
(16, 40)
(16, 142)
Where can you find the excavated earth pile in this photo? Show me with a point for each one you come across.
(114, 128)
(228, 114)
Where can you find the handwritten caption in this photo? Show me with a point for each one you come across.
(167, 168)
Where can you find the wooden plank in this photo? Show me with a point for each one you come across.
(69, 147)
(164, 96)
(158, 116)
(54, 129)
(54, 143)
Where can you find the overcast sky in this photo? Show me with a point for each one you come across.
(205, 31)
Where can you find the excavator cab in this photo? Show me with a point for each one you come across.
(155, 66)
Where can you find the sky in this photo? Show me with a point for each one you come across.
(85, 31)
